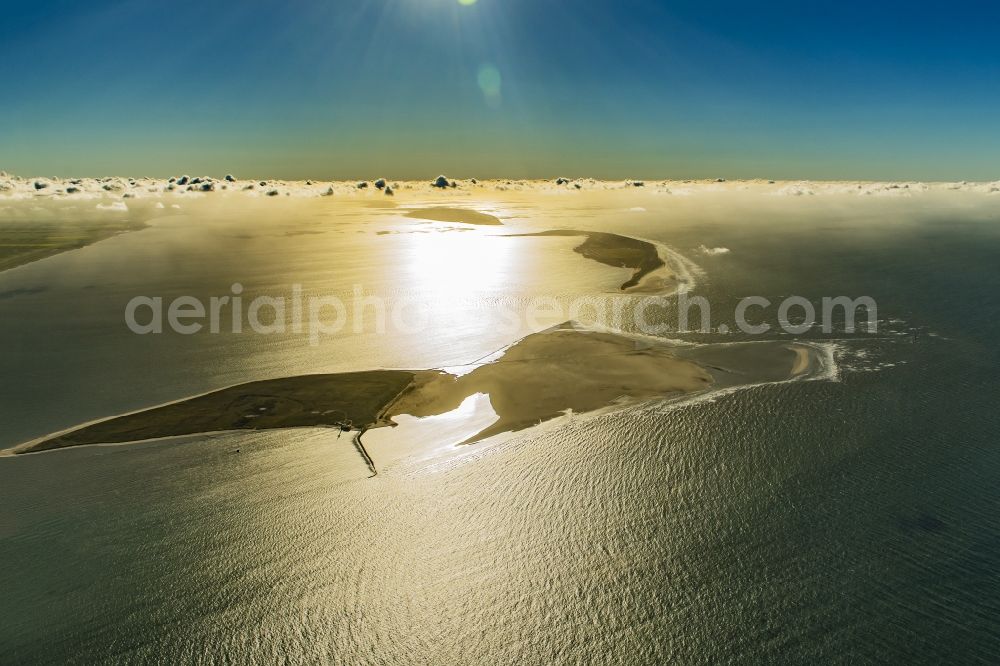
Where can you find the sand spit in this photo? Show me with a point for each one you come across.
(541, 377)
(757, 362)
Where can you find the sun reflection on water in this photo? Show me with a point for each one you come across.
(459, 262)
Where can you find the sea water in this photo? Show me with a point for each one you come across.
(850, 519)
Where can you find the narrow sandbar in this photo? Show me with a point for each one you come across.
(456, 215)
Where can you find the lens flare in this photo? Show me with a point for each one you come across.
(489, 80)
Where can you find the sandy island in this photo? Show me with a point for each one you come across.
(459, 215)
(539, 378)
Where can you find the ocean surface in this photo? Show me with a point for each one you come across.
(849, 519)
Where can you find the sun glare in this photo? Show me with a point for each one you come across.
(450, 262)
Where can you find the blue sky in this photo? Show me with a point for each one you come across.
(513, 88)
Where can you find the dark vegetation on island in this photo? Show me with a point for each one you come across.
(615, 250)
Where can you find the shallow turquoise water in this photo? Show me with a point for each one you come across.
(839, 521)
